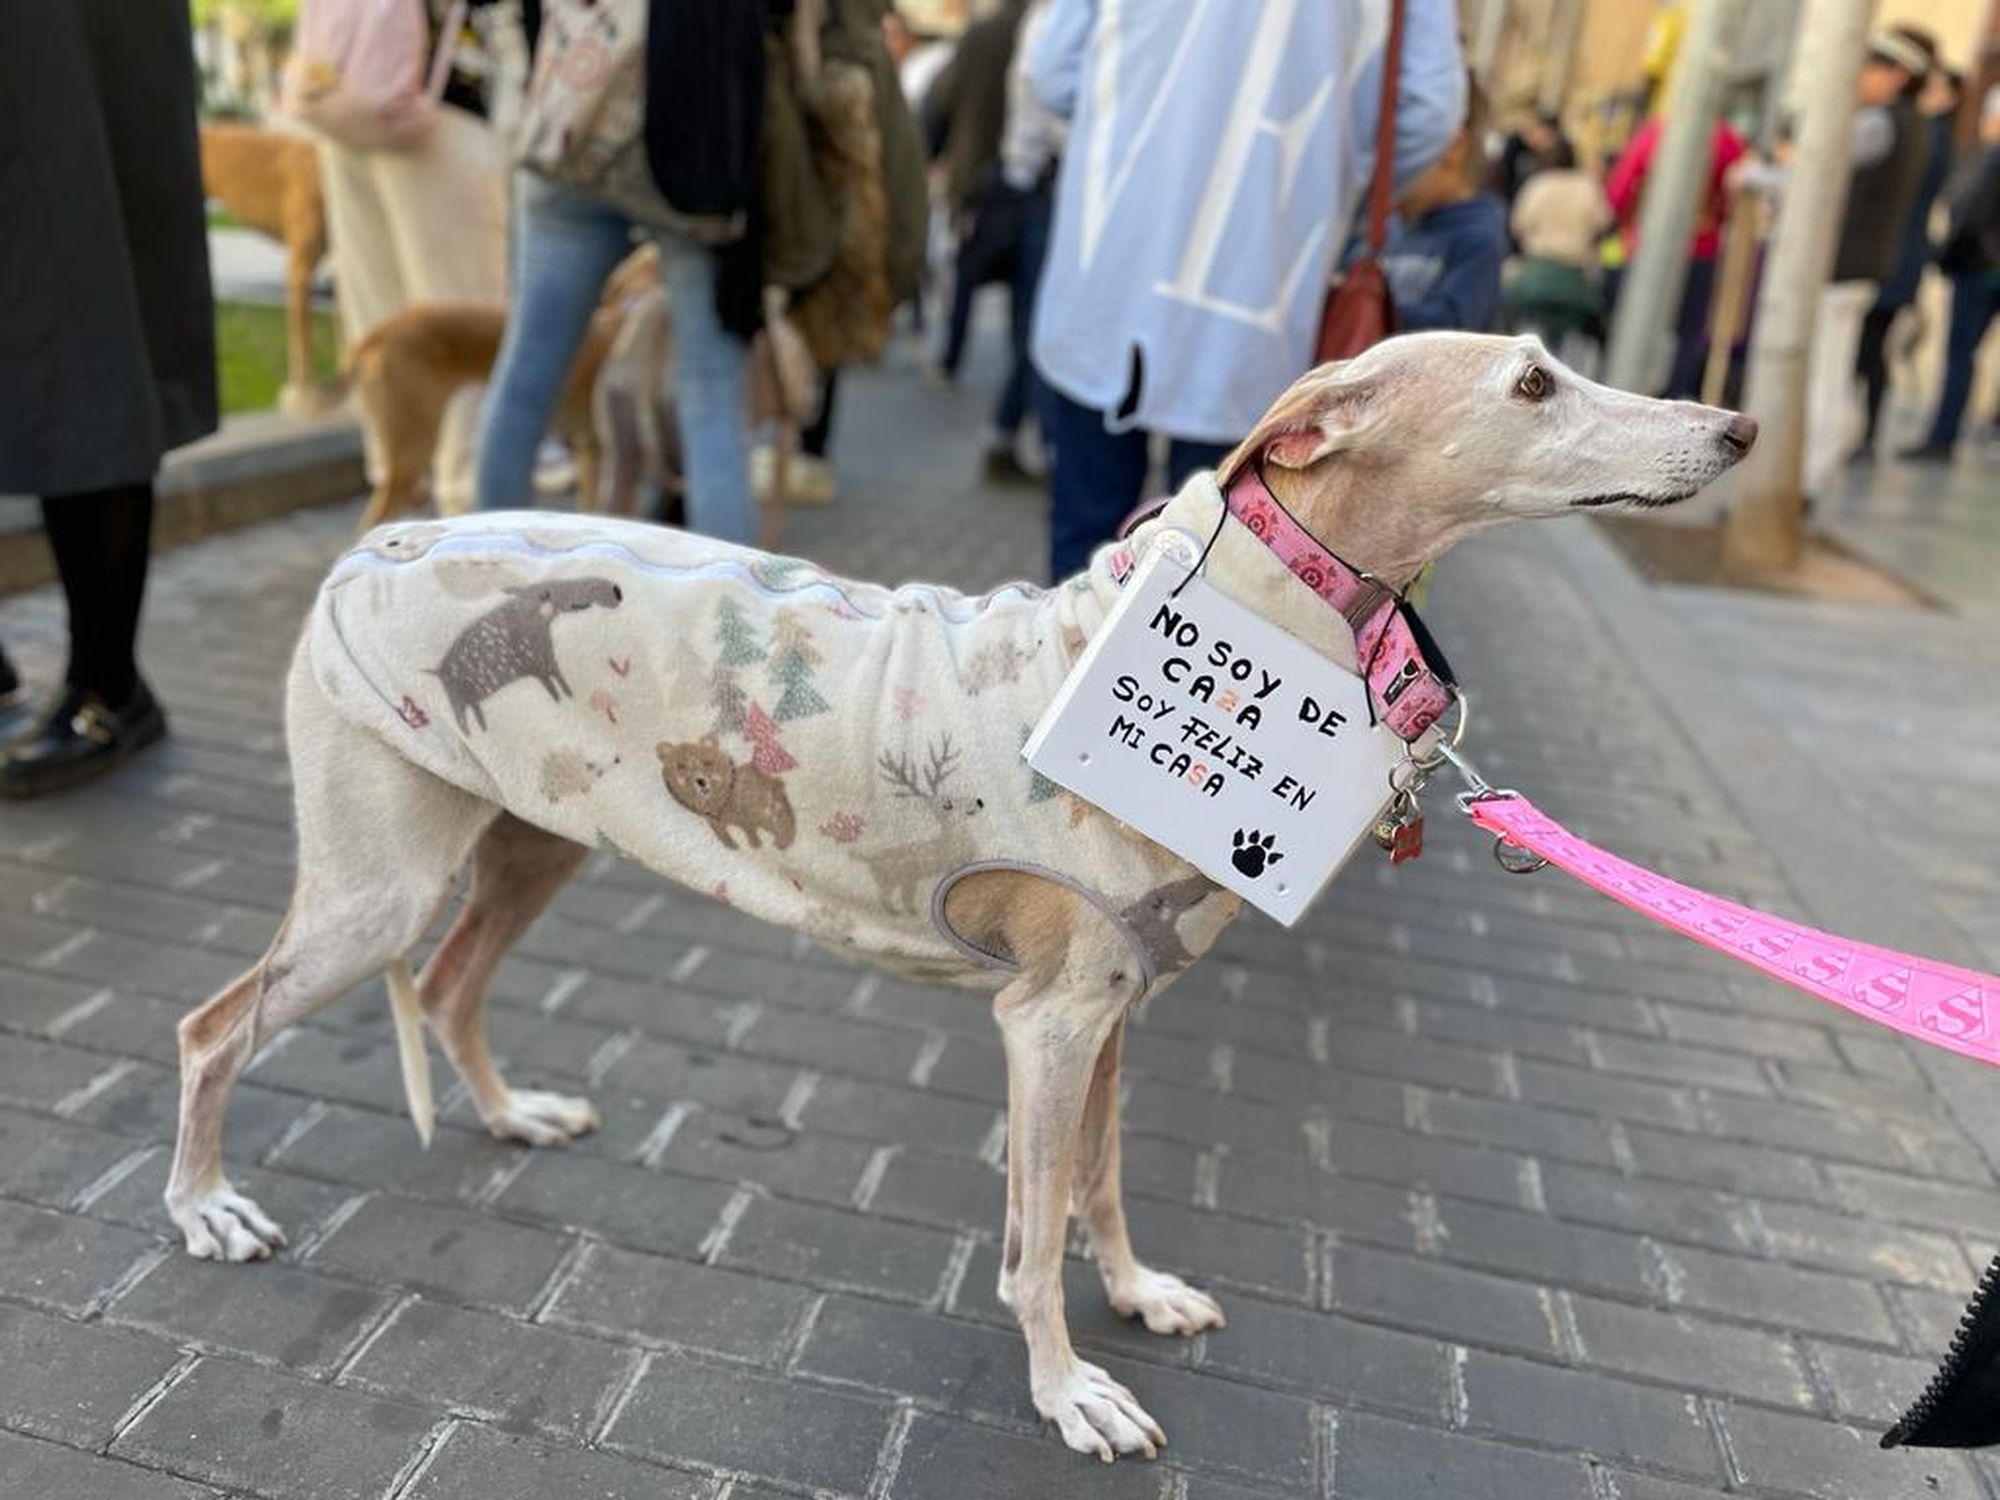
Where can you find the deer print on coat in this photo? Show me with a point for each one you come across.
(701, 777)
(516, 640)
(902, 871)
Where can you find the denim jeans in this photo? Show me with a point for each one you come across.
(1097, 477)
(565, 245)
(1975, 299)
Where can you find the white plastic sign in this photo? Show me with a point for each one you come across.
(1221, 736)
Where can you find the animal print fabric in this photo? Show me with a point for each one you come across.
(819, 752)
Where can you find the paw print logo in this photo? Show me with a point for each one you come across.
(1252, 852)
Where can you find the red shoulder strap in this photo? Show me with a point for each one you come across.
(1385, 132)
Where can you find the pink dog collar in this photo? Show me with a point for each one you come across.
(1409, 685)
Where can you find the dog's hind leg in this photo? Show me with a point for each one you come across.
(516, 869)
(380, 841)
(1055, 1020)
(1165, 1303)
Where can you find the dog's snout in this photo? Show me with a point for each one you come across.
(1739, 433)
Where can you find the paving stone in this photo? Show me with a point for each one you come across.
(761, 977)
(1670, 1210)
(299, 1204)
(1833, 1462)
(274, 1311)
(62, 1261)
(499, 1370)
(1377, 1459)
(1521, 1127)
(145, 1102)
(1296, 1191)
(1262, 1434)
(369, 1150)
(1606, 1094)
(40, 1075)
(805, 1242)
(1727, 1165)
(663, 1071)
(660, 1211)
(947, 1458)
(33, 1467)
(799, 1163)
(48, 1160)
(752, 1424)
(880, 1112)
(1814, 1301)
(942, 1190)
(1464, 1306)
(838, 1044)
(254, 1429)
(1680, 1349)
(1910, 1199)
(1328, 1357)
(948, 1362)
(627, 1295)
(1834, 1241)
(1215, 1247)
(1868, 1385)
(1093, 1327)
(1586, 1412)
(1400, 1155)
(1842, 1136)
(73, 1381)
(477, 1463)
(448, 1252)
(1536, 1246)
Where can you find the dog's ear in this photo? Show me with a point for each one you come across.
(1321, 413)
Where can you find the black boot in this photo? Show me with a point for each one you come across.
(79, 738)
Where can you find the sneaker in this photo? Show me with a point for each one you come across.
(1925, 453)
(78, 739)
(808, 480)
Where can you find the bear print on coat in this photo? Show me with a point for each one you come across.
(702, 778)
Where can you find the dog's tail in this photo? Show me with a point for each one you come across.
(408, 1011)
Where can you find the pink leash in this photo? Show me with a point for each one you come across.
(1933, 1002)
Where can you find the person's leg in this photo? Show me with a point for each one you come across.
(711, 381)
(1871, 363)
(567, 244)
(813, 440)
(1093, 484)
(447, 209)
(102, 542)
(1836, 334)
(983, 256)
(1691, 331)
(1030, 243)
(1972, 308)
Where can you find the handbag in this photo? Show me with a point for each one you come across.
(1359, 310)
(584, 120)
(357, 72)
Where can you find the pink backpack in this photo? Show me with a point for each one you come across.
(357, 69)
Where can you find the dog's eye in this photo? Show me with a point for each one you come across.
(1534, 384)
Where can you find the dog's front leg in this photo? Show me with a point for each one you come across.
(1164, 1302)
(1053, 1036)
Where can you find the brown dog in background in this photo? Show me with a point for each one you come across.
(405, 372)
(269, 182)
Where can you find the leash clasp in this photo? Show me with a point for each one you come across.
(1511, 857)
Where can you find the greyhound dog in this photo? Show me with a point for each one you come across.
(502, 624)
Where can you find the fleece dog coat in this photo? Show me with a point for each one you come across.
(827, 754)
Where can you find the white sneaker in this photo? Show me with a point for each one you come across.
(808, 480)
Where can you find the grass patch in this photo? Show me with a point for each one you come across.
(250, 353)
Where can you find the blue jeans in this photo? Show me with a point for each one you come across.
(1975, 299)
(565, 245)
(1097, 477)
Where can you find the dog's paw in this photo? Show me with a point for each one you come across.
(1166, 1304)
(543, 1119)
(225, 1225)
(1097, 1415)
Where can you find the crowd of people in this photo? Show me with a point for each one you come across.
(1165, 268)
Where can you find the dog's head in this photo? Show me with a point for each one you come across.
(1427, 438)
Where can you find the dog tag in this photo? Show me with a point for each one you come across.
(1221, 736)
(1408, 843)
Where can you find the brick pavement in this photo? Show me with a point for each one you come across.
(1505, 1193)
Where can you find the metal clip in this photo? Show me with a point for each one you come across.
(1511, 857)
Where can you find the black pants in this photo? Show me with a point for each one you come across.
(1871, 363)
(986, 254)
(101, 541)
